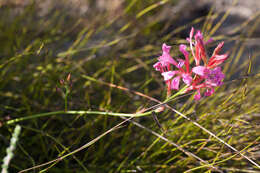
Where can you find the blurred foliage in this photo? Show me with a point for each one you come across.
(119, 47)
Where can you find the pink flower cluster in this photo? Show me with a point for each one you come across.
(207, 76)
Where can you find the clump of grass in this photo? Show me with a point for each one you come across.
(110, 63)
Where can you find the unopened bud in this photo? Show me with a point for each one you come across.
(62, 82)
(68, 77)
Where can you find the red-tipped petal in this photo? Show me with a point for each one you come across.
(200, 49)
(218, 48)
(197, 56)
(217, 60)
(186, 54)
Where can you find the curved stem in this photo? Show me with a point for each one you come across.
(76, 112)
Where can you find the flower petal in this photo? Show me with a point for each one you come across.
(191, 44)
(191, 32)
(217, 60)
(187, 78)
(168, 75)
(186, 54)
(218, 48)
(166, 58)
(157, 66)
(209, 92)
(200, 70)
(175, 83)
(200, 49)
(181, 62)
(166, 48)
(198, 35)
(182, 48)
(197, 96)
(215, 77)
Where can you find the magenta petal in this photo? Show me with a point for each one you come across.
(168, 75)
(200, 70)
(219, 73)
(187, 78)
(209, 92)
(165, 48)
(198, 35)
(157, 66)
(182, 47)
(183, 50)
(186, 54)
(215, 77)
(197, 96)
(171, 60)
(217, 69)
(166, 58)
(180, 63)
(175, 83)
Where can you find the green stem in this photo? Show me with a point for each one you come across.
(66, 103)
(75, 112)
(66, 98)
(176, 94)
(88, 112)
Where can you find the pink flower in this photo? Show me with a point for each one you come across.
(201, 78)
(186, 55)
(172, 78)
(214, 77)
(166, 58)
(200, 52)
(181, 73)
(217, 59)
(210, 75)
